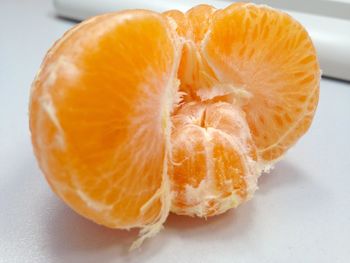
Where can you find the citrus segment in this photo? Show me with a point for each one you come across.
(213, 159)
(270, 55)
(100, 117)
(179, 22)
(199, 20)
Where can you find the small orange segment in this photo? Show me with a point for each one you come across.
(213, 159)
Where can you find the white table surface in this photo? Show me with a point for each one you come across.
(301, 213)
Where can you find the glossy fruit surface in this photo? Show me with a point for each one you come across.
(135, 114)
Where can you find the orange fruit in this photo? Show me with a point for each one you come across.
(135, 114)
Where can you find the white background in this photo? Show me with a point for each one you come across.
(301, 213)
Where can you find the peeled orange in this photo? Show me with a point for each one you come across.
(136, 114)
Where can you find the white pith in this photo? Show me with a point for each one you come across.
(170, 98)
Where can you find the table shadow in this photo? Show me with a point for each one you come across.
(71, 236)
(284, 174)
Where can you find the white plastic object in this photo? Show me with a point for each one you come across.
(330, 35)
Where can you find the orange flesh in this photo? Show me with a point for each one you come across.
(211, 144)
(135, 114)
(111, 130)
(271, 56)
